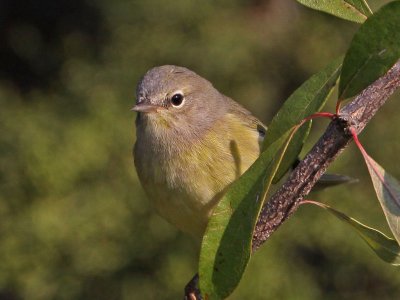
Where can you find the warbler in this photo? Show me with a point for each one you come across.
(192, 142)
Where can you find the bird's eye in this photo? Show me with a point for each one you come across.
(177, 100)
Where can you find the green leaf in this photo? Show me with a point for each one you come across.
(374, 49)
(352, 10)
(309, 98)
(386, 248)
(387, 189)
(226, 246)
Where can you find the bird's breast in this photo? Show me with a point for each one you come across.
(185, 178)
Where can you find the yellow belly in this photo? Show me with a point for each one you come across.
(185, 188)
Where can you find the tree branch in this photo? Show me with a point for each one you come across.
(301, 180)
(335, 139)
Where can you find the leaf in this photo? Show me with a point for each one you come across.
(387, 189)
(309, 98)
(352, 10)
(226, 246)
(374, 49)
(386, 248)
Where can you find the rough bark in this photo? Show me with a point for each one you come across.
(335, 139)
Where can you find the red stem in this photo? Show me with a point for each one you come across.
(370, 161)
(358, 143)
(318, 115)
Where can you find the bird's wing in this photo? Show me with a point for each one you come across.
(247, 118)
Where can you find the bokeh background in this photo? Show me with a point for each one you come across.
(74, 221)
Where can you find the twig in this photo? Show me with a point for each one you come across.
(335, 139)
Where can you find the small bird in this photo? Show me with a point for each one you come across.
(192, 143)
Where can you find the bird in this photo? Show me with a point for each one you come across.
(192, 142)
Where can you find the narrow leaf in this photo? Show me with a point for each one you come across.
(374, 49)
(226, 246)
(385, 248)
(309, 98)
(387, 189)
(352, 10)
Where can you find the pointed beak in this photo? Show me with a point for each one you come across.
(145, 108)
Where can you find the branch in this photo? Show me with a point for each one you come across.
(335, 139)
(301, 180)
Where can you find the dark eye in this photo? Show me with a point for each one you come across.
(177, 99)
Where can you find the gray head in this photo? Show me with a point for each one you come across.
(175, 97)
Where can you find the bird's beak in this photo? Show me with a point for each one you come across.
(145, 108)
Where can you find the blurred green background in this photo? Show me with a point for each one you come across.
(74, 221)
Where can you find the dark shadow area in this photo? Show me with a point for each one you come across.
(32, 33)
